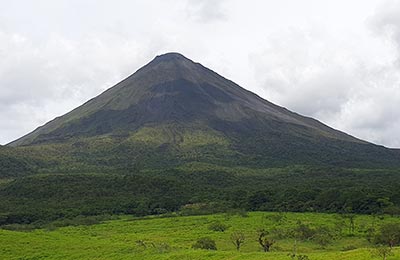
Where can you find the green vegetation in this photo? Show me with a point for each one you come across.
(201, 155)
(176, 139)
(173, 237)
(13, 163)
(205, 243)
(200, 189)
(218, 226)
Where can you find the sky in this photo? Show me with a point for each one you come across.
(337, 61)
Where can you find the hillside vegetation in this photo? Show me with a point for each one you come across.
(46, 197)
(295, 235)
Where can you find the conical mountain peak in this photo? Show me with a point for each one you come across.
(168, 67)
(174, 89)
(170, 56)
(169, 60)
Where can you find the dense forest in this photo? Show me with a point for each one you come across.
(199, 189)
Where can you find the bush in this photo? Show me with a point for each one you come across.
(218, 227)
(205, 243)
(323, 236)
(159, 247)
(389, 234)
(349, 248)
(278, 218)
(381, 251)
(304, 232)
(281, 233)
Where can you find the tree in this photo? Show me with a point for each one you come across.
(264, 241)
(218, 227)
(323, 236)
(237, 239)
(279, 218)
(205, 243)
(389, 235)
(304, 231)
(323, 239)
(294, 254)
(382, 252)
(352, 224)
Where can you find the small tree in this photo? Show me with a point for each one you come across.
(205, 243)
(264, 241)
(389, 235)
(304, 231)
(237, 239)
(322, 239)
(278, 218)
(323, 236)
(352, 222)
(382, 251)
(295, 256)
(218, 227)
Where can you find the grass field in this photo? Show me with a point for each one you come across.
(173, 237)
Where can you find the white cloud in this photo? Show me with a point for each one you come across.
(349, 81)
(39, 82)
(386, 21)
(206, 11)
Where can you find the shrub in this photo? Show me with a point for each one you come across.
(382, 251)
(281, 233)
(205, 243)
(323, 237)
(159, 247)
(278, 218)
(349, 248)
(304, 232)
(389, 234)
(218, 226)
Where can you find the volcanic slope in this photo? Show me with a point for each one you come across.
(174, 111)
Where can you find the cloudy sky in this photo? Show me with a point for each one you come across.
(337, 61)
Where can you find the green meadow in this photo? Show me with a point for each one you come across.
(172, 237)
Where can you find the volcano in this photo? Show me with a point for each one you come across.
(174, 111)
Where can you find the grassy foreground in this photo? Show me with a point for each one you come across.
(173, 237)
